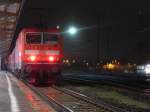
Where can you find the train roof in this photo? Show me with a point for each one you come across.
(34, 29)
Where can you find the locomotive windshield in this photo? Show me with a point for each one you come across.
(33, 38)
(41, 38)
(50, 38)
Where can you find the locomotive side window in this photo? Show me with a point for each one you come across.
(33, 38)
(50, 38)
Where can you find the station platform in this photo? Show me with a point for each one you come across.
(15, 96)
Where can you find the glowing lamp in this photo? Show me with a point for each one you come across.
(51, 58)
(147, 69)
(32, 58)
(111, 66)
(72, 30)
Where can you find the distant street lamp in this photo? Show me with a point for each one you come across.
(72, 30)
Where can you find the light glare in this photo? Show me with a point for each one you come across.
(32, 58)
(51, 58)
(147, 69)
(72, 30)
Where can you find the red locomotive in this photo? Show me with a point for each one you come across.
(37, 55)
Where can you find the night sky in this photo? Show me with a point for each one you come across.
(121, 25)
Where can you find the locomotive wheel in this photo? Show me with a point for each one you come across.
(58, 78)
(37, 79)
(41, 78)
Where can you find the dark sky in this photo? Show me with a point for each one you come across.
(120, 24)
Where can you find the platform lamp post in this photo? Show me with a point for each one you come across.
(72, 30)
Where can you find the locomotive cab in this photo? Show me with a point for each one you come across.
(42, 48)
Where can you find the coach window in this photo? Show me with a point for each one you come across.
(33, 38)
(50, 38)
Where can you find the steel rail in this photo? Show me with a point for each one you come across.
(85, 98)
(55, 104)
(145, 92)
(62, 108)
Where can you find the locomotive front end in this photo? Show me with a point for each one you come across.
(43, 55)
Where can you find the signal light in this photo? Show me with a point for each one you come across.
(51, 58)
(32, 58)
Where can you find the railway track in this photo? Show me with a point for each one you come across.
(83, 97)
(65, 100)
(144, 92)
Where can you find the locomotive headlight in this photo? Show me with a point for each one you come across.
(51, 58)
(32, 58)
